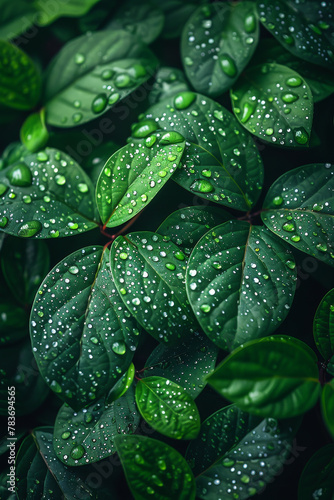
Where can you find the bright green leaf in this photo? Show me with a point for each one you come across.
(61, 8)
(34, 134)
(327, 406)
(271, 377)
(240, 283)
(95, 161)
(317, 477)
(122, 385)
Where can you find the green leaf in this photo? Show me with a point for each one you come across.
(167, 82)
(46, 195)
(79, 320)
(299, 209)
(228, 169)
(16, 18)
(67, 8)
(228, 456)
(274, 103)
(177, 13)
(318, 476)
(230, 32)
(143, 20)
(87, 436)
(12, 153)
(154, 468)
(240, 283)
(271, 377)
(34, 134)
(13, 319)
(134, 175)
(19, 79)
(187, 225)
(327, 406)
(148, 271)
(24, 265)
(122, 385)
(77, 78)
(167, 407)
(95, 161)
(41, 475)
(323, 326)
(186, 365)
(18, 369)
(307, 30)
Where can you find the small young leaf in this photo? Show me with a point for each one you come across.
(77, 78)
(327, 406)
(135, 174)
(274, 103)
(167, 82)
(323, 327)
(186, 365)
(122, 385)
(19, 79)
(299, 209)
(317, 477)
(67, 8)
(148, 271)
(271, 377)
(240, 283)
(87, 436)
(154, 469)
(34, 134)
(46, 195)
(167, 407)
(217, 43)
(79, 319)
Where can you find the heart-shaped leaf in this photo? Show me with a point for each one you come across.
(148, 271)
(154, 468)
(34, 134)
(186, 226)
(271, 377)
(92, 73)
(217, 43)
(299, 208)
(168, 82)
(86, 436)
(327, 406)
(237, 454)
(83, 337)
(46, 195)
(323, 327)
(167, 407)
(135, 174)
(240, 283)
(318, 476)
(186, 365)
(307, 30)
(67, 8)
(274, 103)
(232, 171)
(20, 81)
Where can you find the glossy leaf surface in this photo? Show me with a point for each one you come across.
(34, 134)
(63, 8)
(318, 475)
(168, 82)
(327, 406)
(323, 326)
(16, 18)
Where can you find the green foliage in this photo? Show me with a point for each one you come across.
(176, 158)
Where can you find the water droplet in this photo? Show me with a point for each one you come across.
(3, 188)
(288, 39)
(3, 222)
(119, 347)
(139, 459)
(145, 128)
(76, 104)
(20, 175)
(322, 247)
(245, 479)
(300, 135)
(184, 100)
(123, 255)
(269, 131)
(317, 207)
(150, 141)
(99, 104)
(79, 58)
(54, 233)
(77, 117)
(247, 111)
(73, 225)
(73, 270)
(228, 462)
(113, 98)
(205, 308)
(78, 452)
(60, 180)
(295, 238)
(143, 198)
(171, 138)
(290, 264)
(294, 81)
(228, 65)
(288, 226)
(123, 81)
(278, 200)
(162, 465)
(179, 255)
(55, 387)
(150, 490)
(82, 187)
(170, 266)
(289, 97)
(29, 229)
(26, 199)
(65, 435)
(206, 173)
(107, 74)
(250, 23)
(202, 186)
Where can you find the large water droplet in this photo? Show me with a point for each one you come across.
(3, 222)
(294, 81)
(3, 188)
(144, 128)
(20, 175)
(171, 138)
(250, 23)
(184, 100)
(78, 452)
(123, 81)
(202, 186)
(300, 135)
(247, 111)
(99, 104)
(79, 59)
(228, 65)
(66, 435)
(29, 229)
(119, 347)
(289, 97)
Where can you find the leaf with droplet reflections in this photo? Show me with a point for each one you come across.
(299, 208)
(217, 43)
(274, 103)
(34, 134)
(77, 78)
(240, 283)
(271, 377)
(317, 477)
(82, 336)
(167, 407)
(134, 175)
(153, 468)
(323, 329)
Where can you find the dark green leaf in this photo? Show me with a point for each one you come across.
(274, 103)
(240, 283)
(327, 406)
(86, 436)
(177, 13)
(34, 134)
(168, 82)
(317, 479)
(122, 385)
(307, 30)
(187, 364)
(153, 468)
(16, 18)
(167, 407)
(299, 208)
(149, 275)
(323, 326)
(19, 79)
(145, 20)
(5, 493)
(77, 79)
(12, 318)
(271, 377)
(67, 8)
(95, 161)
(187, 225)
(231, 173)
(13, 153)
(46, 195)
(79, 320)
(134, 175)
(217, 43)
(236, 454)
(24, 265)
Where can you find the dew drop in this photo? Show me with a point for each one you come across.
(228, 65)
(205, 308)
(170, 266)
(150, 141)
(171, 138)
(145, 128)
(294, 81)
(77, 452)
(300, 135)
(73, 270)
(107, 74)
(65, 435)
(3, 189)
(79, 59)
(184, 100)
(278, 200)
(29, 229)
(113, 98)
(20, 175)
(119, 347)
(269, 131)
(288, 226)
(99, 104)
(77, 117)
(247, 111)
(202, 186)
(123, 255)
(295, 238)
(82, 187)
(322, 247)
(3, 222)
(123, 81)
(250, 23)
(60, 180)
(289, 97)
